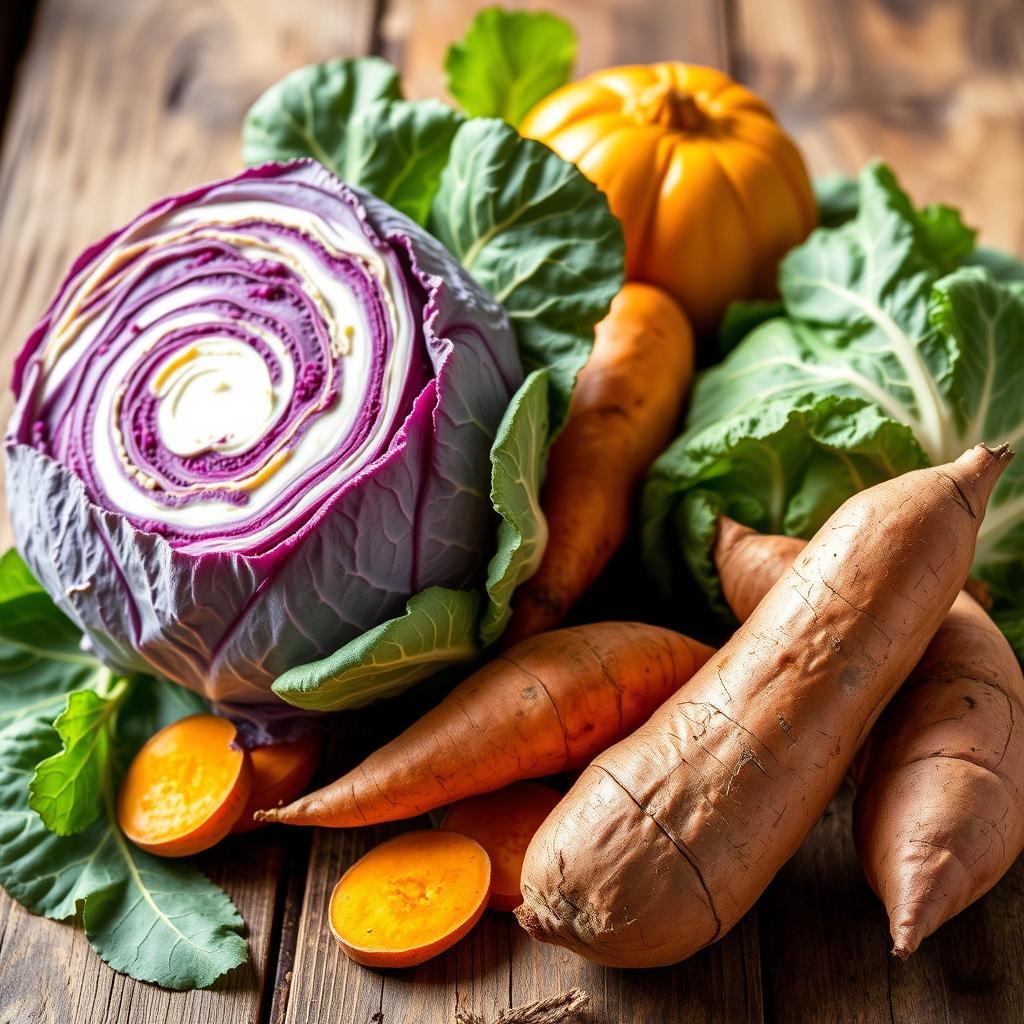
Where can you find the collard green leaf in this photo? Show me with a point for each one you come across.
(880, 312)
(307, 113)
(397, 150)
(156, 920)
(508, 61)
(540, 237)
(517, 471)
(781, 468)
(66, 790)
(349, 115)
(838, 197)
(1003, 266)
(438, 629)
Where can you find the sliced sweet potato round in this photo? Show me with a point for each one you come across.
(186, 787)
(410, 898)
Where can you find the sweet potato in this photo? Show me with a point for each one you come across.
(185, 788)
(624, 409)
(410, 898)
(545, 706)
(503, 823)
(939, 814)
(280, 772)
(669, 837)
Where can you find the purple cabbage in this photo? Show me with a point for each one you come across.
(252, 424)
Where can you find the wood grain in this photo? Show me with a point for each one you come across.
(49, 973)
(935, 88)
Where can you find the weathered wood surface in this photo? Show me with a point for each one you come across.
(115, 103)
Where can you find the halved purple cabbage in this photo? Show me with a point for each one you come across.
(252, 424)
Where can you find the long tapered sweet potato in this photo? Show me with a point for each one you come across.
(939, 814)
(549, 704)
(669, 836)
(624, 409)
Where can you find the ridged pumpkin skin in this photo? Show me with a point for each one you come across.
(710, 190)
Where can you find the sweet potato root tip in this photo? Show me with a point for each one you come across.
(548, 705)
(670, 835)
(945, 746)
(410, 898)
(624, 409)
(185, 788)
(503, 823)
(280, 772)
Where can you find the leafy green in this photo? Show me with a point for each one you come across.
(508, 61)
(533, 231)
(438, 629)
(156, 920)
(307, 113)
(837, 196)
(159, 921)
(880, 312)
(517, 471)
(66, 790)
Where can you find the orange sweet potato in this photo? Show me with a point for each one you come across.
(280, 772)
(939, 814)
(669, 836)
(503, 823)
(547, 705)
(410, 898)
(185, 788)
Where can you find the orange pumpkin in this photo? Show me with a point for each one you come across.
(710, 190)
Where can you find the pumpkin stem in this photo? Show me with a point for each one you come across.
(671, 108)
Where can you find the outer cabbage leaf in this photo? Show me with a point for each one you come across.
(518, 459)
(508, 61)
(874, 316)
(437, 630)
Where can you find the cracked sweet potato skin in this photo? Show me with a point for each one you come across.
(939, 814)
(669, 836)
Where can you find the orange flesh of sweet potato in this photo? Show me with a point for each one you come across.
(669, 836)
(939, 815)
(410, 898)
(280, 772)
(503, 823)
(547, 705)
(625, 406)
(185, 788)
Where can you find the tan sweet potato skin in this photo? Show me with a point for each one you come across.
(939, 815)
(624, 409)
(545, 706)
(669, 837)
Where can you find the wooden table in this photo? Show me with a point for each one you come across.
(115, 102)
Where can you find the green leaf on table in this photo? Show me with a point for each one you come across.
(307, 113)
(1003, 266)
(154, 919)
(540, 237)
(508, 61)
(66, 790)
(518, 458)
(438, 629)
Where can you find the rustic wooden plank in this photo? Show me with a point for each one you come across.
(116, 105)
(15, 22)
(935, 88)
(415, 33)
(48, 971)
